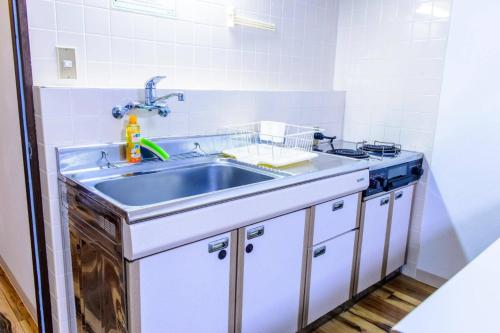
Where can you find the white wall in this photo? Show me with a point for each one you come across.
(462, 206)
(196, 51)
(15, 249)
(390, 59)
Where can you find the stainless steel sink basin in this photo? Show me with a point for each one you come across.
(140, 189)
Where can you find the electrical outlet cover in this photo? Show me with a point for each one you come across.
(66, 63)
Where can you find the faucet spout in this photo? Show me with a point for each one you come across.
(179, 95)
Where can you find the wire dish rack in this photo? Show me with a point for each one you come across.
(269, 143)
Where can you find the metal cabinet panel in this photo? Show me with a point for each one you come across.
(399, 227)
(335, 217)
(373, 232)
(97, 266)
(269, 275)
(330, 275)
(187, 289)
(98, 287)
(91, 266)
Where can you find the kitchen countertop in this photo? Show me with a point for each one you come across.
(77, 165)
(468, 302)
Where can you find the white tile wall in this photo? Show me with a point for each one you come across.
(196, 50)
(390, 60)
(72, 116)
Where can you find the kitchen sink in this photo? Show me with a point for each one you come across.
(140, 189)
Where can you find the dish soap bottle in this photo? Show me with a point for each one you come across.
(133, 135)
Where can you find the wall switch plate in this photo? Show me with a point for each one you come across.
(66, 63)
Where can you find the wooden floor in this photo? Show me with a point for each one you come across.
(12, 309)
(380, 310)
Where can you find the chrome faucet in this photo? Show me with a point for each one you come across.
(151, 102)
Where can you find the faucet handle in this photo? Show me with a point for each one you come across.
(151, 83)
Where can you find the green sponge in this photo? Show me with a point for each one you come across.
(155, 149)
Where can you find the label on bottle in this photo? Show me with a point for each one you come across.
(136, 137)
(133, 145)
(135, 151)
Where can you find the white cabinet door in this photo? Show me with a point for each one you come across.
(373, 235)
(400, 223)
(331, 275)
(186, 289)
(269, 275)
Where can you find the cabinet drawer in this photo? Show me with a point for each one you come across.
(335, 217)
(330, 275)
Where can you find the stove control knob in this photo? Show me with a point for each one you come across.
(374, 184)
(417, 171)
(382, 181)
(377, 182)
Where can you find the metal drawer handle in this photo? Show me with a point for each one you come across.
(320, 251)
(398, 195)
(384, 201)
(338, 205)
(218, 245)
(255, 232)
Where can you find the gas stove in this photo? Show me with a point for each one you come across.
(360, 150)
(390, 166)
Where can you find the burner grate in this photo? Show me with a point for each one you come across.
(381, 149)
(353, 153)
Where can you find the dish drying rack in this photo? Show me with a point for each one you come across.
(269, 143)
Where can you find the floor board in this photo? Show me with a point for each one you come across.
(380, 310)
(13, 308)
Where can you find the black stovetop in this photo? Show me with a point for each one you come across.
(360, 150)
